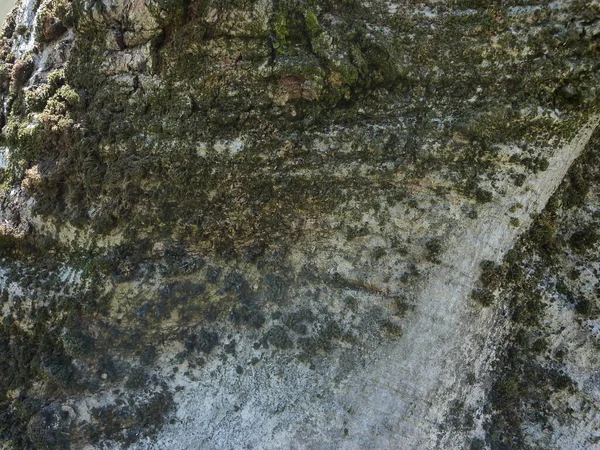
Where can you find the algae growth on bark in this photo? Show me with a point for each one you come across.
(299, 224)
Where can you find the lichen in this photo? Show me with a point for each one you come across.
(182, 156)
(533, 384)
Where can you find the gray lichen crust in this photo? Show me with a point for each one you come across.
(546, 381)
(282, 224)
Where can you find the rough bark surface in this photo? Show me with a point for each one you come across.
(299, 224)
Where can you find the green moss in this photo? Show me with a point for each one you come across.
(543, 233)
(584, 239)
(282, 34)
(77, 342)
(491, 275)
(28, 138)
(298, 321)
(170, 13)
(21, 30)
(483, 296)
(483, 196)
(124, 424)
(53, 17)
(584, 307)
(21, 71)
(515, 208)
(137, 379)
(48, 430)
(277, 336)
(357, 231)
(434, 249)
(56, 79)
(67, 95)
(7, 178)
(312, 24)
(392, 329)
(36, 99)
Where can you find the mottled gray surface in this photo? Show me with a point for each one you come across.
(269, 224)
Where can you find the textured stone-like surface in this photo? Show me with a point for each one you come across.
(273, 224)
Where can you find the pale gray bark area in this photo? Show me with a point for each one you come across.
(402, 397)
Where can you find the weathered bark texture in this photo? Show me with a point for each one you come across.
(248, 224)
